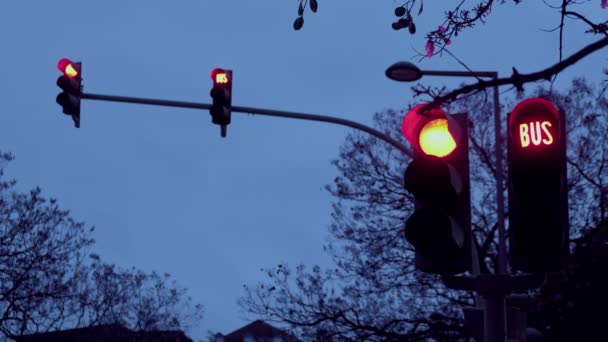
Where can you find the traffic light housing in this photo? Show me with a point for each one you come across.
(538, 202)
(221, 93)
(438, 178)
(71, 85)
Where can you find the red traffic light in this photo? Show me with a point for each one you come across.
(438, 178)
(534, 125)
(430, 133)
(220, 76)
(68, 68)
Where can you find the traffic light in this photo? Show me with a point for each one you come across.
(221, 93)
(438, 178)
(538, 202)
(70, 83)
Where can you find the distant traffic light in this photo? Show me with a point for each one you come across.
(438, 178)
(538, 203)
(70, 83)
(221, 93)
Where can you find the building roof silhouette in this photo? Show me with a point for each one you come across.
(108, 332)
(259, 331)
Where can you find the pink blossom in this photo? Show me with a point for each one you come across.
(604, 3)
(443, 28)
(447, 41)
(430, 47)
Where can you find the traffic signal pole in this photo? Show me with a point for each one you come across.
(253, 110)
(494, 288)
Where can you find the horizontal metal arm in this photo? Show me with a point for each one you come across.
(252, 110)
(139, 100)
(323, 118)
(460, 73)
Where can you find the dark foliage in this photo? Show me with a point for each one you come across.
(571, 307)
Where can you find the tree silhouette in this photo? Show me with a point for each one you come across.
(41, 258)
(135, 299)
(571, 309)
(49, 282)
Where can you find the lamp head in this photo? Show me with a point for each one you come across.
(403, 72)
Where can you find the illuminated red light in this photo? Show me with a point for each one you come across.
(535, 127)
(535, 133)
(435, 139)
(220, 76)
(429, 133)
(66, 66)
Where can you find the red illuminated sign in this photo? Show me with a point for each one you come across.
(534, 125)
(220, 76)
(535, 133)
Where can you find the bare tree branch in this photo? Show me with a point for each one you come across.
(517, 79)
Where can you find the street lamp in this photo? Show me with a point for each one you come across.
(404, 72)
(409, 72)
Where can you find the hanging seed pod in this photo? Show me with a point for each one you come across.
(314, 6)
(298, 23)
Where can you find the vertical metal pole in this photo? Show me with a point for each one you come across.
(495, 323)
(495, 306)
(500, 202)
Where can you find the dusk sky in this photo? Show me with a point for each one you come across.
(163, 189)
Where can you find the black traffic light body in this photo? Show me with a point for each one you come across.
(440, 227)
(71, 85)
(538, 202)
(221, 93)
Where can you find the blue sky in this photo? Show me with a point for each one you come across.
(164, 191)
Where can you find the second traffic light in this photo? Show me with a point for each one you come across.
(221, 93)
(438, 178)
(71, 84)
(538, 189)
